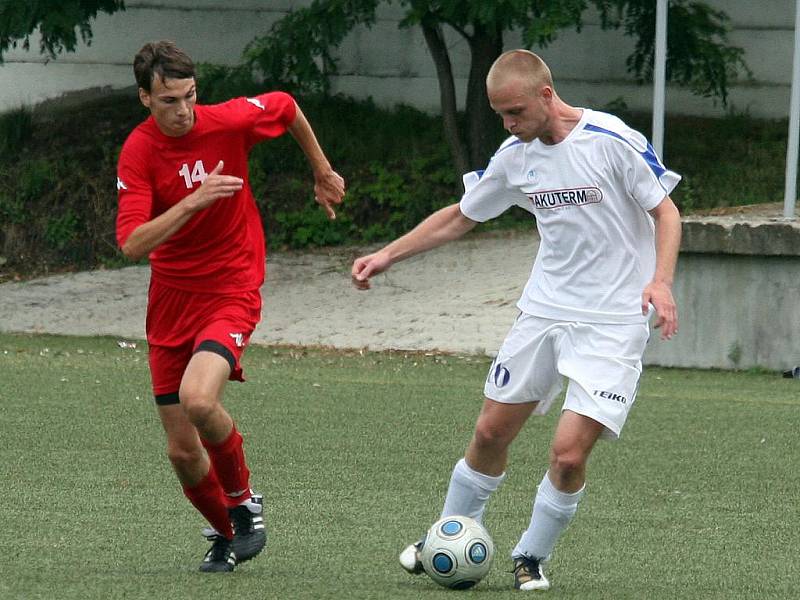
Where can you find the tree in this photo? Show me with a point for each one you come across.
(298, 48)
(56, 20)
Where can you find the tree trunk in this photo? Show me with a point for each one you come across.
(485, 45)
(434, 37)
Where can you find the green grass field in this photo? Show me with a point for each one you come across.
(353, 452)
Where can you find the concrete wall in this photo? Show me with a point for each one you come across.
(392, 65)
(738, 293)
(209, 30)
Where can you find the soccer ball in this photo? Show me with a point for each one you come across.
(457, 552)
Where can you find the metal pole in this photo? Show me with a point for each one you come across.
(659, 77)
(790, 191)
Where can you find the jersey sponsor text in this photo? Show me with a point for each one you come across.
(566, 197)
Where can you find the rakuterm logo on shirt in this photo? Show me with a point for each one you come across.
(566, 197)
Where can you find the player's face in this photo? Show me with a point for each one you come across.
(171, 102)
(524, 112)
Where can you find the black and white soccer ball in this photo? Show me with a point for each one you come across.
(457, 552)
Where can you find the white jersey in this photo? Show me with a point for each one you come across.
(590, 194)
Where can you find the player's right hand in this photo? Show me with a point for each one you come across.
(215, 186)
(328, 191)
(367, 266)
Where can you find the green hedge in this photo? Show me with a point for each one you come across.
(58, 196)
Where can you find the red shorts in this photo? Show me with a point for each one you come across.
(180, 323)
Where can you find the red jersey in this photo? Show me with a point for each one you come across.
(221, 248)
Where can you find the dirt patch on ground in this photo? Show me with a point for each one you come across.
(458, 298)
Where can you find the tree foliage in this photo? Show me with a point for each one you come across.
(299, 51)
(299, 48)
(59, 23)
(698, 55)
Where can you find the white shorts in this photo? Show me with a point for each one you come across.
(602, 361)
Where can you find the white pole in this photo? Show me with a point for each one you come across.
(790, 191)
(659, 77)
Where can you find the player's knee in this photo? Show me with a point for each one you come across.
(567, 462)
(183, 458)
(490, 435)
(198, 406)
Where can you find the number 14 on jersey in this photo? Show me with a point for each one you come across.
(197, 175)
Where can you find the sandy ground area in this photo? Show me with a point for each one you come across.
(459, 298)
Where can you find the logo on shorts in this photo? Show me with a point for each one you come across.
(238, 339)
(500, 375)
(611, 396)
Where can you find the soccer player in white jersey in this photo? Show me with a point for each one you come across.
(610, 236)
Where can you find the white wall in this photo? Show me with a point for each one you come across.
(392, 65)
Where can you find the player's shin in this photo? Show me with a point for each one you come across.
(208, 498)
(469, 491)
(229, 463)
(552, 512)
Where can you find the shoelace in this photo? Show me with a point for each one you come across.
(528, 566)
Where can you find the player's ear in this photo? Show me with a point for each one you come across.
(144, 97)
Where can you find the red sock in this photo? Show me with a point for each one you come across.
(207, 497)
(228, 461)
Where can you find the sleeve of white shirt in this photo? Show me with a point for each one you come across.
(487, 194)
(647, 180)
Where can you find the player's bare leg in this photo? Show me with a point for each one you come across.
(199, 433)
(201, 393)
(497, 426)
(184, 450)
(573, 441)
(557, 498)
(200, 484)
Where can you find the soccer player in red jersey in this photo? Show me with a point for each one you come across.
(185, 200)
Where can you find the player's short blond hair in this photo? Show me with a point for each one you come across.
(520, 64)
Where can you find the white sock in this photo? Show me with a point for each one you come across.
(552, 512)
(469, 491)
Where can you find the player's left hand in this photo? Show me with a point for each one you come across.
(329, 191)
(367, 266)
(659, 295)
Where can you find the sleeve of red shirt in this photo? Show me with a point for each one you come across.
(270, 115)
(134, 190)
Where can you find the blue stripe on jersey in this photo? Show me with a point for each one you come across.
(511, 145)
(648, 155)
(480, 172)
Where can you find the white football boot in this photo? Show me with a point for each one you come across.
(410, 558)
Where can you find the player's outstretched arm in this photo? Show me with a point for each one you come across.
(148, 236)
(444, 225)
(328, 184)
(659, 291)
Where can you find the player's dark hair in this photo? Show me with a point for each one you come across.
(161, 58)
